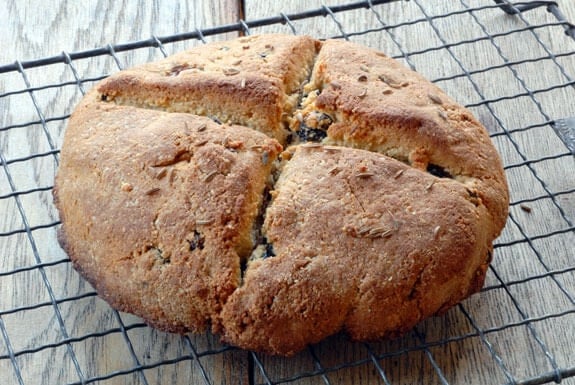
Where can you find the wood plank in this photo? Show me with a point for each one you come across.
(36, 30)
(515, 351)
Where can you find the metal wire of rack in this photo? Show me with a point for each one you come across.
(510, 333)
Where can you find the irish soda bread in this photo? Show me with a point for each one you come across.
(277, 190)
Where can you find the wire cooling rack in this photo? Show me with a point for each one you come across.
(518, 330)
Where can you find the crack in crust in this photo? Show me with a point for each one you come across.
(186, 239)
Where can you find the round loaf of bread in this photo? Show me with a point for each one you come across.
(277, 190)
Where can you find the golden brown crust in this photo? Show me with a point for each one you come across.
(363, 242)
(148, 198)
(167, 213)
(380, 105)
(252, 81)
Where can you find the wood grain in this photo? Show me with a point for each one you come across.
(40, 29)
(515, 351)
(489, 339)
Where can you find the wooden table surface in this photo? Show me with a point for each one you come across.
(516, 73)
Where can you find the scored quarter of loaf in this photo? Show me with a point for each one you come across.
(277, 190)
